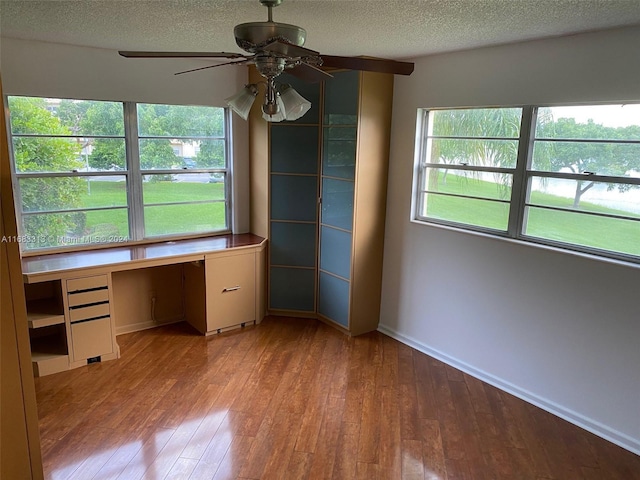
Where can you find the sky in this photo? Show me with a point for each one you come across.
(607, 115)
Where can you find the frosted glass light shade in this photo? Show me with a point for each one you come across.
(280, 115)
(295, 105)
(242, 101)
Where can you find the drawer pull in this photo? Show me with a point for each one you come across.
(231, 289)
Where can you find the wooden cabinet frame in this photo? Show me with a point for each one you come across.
(375, 99)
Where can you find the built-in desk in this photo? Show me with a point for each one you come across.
(74, 298)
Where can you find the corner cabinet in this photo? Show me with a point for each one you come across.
(324, 210)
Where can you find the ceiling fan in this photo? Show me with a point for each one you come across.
(274, 48)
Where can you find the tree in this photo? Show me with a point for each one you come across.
(84, 122)
(157, 152)
(587, 157)
(45, 154)
(180, 121)
(102, 118)
(211, 154)
(476, 123)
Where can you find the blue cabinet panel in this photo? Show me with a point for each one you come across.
(292, 289)
(339, 152)
(337, 203)
(294, 198)
(293, 244)
(341, 99)
(294, 149)
(333, 301)
(335, 251)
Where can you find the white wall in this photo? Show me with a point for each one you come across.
(65, 71)
(559, 330)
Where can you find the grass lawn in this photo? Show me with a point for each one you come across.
(159, 220)
(571, 227)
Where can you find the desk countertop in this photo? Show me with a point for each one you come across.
(44, 267)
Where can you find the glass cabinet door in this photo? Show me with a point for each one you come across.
(294, 152)
(339, 145)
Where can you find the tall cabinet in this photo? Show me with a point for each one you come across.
(319, 195)
(294, 150)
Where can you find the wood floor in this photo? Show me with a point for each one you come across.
(295, 399)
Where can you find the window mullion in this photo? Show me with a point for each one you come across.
(517, 216)
(134, 181)
(582, 176)
(229, 171)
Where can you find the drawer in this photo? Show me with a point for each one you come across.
(230, 283)
(84, 313)
(91, 339)
(85, 298)
(86, 283)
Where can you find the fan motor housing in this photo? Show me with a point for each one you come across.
(254, 35)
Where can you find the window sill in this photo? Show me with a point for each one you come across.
(531, 244)
(128, 243)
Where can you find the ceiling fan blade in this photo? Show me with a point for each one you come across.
(288, 49)
(132, 54)
(309, 73)
(369, 64)
(238, 62)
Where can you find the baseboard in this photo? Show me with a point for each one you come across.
(621, 439)
(136, 327)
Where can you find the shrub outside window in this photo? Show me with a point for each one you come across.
(87, 172)
(562, 176)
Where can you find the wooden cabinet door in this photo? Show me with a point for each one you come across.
(91, 338)
(231, 293)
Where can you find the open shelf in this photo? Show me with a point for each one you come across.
(44, 313)
(47, 328)
(49, 353)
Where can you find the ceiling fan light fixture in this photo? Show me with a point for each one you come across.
(242, 101)
(277, 47)
(295, 105)
(275, 112)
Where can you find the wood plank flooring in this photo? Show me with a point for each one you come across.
(295, 399)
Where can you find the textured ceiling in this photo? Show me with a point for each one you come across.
(391, 28)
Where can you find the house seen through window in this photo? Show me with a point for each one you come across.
(105, 172)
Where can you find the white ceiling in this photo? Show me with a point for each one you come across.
(382, 28)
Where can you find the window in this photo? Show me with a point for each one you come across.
(561, 176)
(469, 162)
(103, 172)
(194, 200)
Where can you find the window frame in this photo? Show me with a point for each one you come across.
(133, 177)
(520, 193)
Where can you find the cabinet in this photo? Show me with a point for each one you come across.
(231, 283)
(224, 291)
(355, 158)
(294, 151)
(214, 283)
(91, 325)
(326, 198)
(70, 323)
